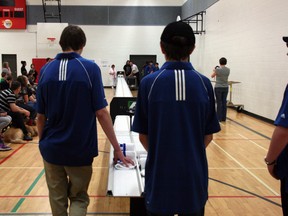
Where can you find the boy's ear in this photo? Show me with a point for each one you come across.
(162, 49)
(192, 49)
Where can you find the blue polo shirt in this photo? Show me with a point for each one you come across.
(282, 120)
(282, 117)
(69, 92)
(176, 109)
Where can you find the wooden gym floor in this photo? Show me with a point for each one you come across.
(239, 181)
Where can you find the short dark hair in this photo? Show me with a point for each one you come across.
(3, 74)
(72, 37)
(178, 33)
(9, 77)
(177, 40)
(15, 85)
(222, 61)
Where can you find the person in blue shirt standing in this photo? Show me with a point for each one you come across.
(150, 68)
(70, 96)
(277, 156)
(175, 117)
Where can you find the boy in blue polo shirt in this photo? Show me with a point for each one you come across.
(70, 96)
(277, 156)
(175, 118)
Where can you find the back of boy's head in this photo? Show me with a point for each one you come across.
(178, 34)
(222, 61)
(15, 85)
(72, 37)
(177, 40)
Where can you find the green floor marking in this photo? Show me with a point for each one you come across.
(19, 203)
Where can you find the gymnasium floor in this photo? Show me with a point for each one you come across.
(239, 181)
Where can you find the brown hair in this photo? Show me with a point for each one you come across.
(72, 37)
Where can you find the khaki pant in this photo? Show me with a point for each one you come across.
(65, 183)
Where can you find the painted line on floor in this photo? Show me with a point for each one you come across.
(253, 142)
(35, 168)
(241, 197)
(33, 142)
(19, 203)
(265, 198)
(10, 155)
(22, 167)
(212, 196)
(250, 129)
(247, 170)
(105, 152)
(236, 168)
(45, 196)
(88, 213)
(258, 145)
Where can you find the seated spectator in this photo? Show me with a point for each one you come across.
(5, 84)
(149, 68)
(33, 74)
(8, 104)
(156, 66)
(31, 89)
(5, 120)
(23, 99)
(4, 74)
(31, 79)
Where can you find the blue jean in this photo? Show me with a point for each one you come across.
(221, 102)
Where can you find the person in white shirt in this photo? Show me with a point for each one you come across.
(113, 75)
(135, 72)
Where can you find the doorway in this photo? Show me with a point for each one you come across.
(12, 59)
(140, 61)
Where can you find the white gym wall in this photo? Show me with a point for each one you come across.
(248, 33)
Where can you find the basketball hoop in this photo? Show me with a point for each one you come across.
(51, 41)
